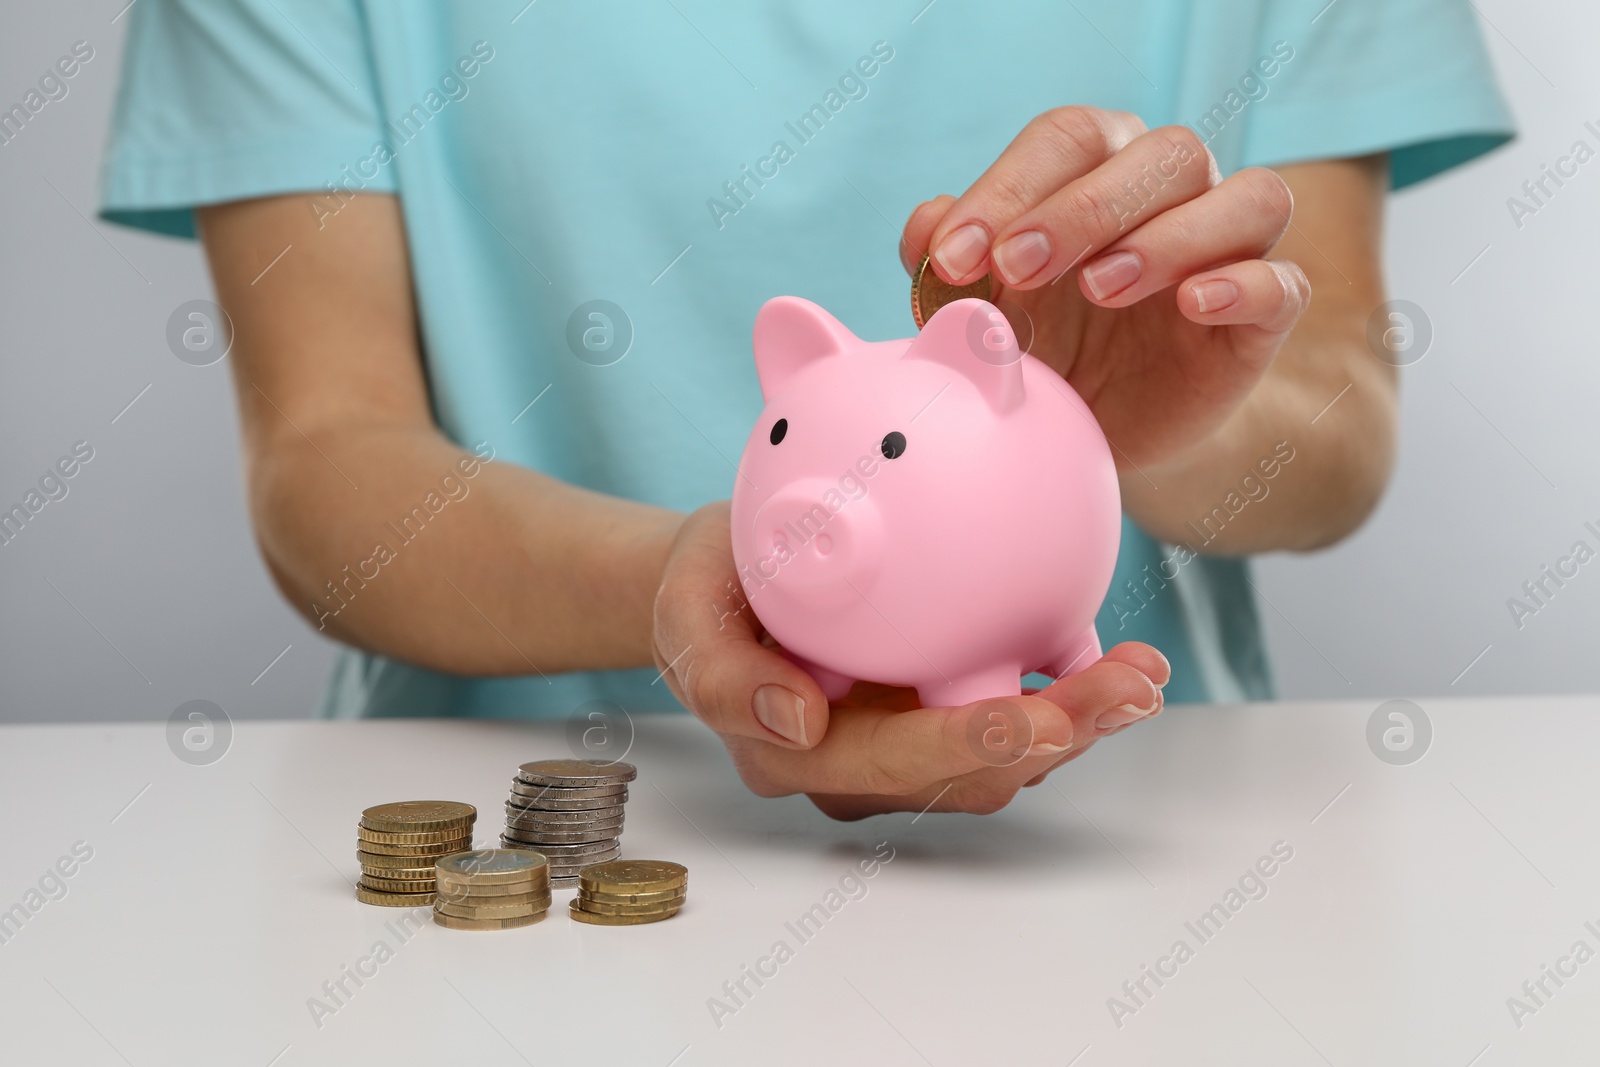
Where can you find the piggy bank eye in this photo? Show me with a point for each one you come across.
(894, 443)
(779, 428)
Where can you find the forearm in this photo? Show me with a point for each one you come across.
(397, 541)
(1286, 470)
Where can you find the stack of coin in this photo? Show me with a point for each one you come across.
(492, 889)
(399, 843)
(570, 810)
(630, 892)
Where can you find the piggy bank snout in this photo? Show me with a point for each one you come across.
(814, 541)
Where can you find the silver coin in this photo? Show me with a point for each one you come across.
(563, 855)
(523, 791)
(572, 872)
(588, 815)
(543, 837)
(491, 864)
(564, 835)
(540, 826)
(555, 803)
(564, 883)
(576, 772)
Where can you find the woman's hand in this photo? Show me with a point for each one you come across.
(1174, 315)
(875, 751)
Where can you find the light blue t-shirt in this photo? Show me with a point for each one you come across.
(686, 161)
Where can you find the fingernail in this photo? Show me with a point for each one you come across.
(1215, 295)
(781, 711)
(1043, 749)
(1021, 257)
(962, 250)
(1123, 714)
(1109, 275)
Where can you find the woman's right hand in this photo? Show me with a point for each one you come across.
(875, 751)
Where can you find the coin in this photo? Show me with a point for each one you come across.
(642, 899)
(560, 818)
(563, 865)
(533, 793)
(555, 851)
(391, 900)
(425, 837)
(442, 848)
(576, 772)
(601, 907)
(458, 891)
(417, 815)
(549, 802)
(457, 923)
(596, 919)
(490, 866)
(570, 868)
(520, 822)
(636, 876)
(386, 862)
(398, 885)
(564, 837)
(493, 911)
(597, 838)
(464, 897)
(929, 292)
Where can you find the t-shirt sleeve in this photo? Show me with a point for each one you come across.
(230, 99)
(1357, 77)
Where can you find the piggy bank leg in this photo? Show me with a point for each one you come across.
(833, 684)
(1081, 651)
(1002, 681)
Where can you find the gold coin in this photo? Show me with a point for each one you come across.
(929, 292)
(540, 898)
(397, 885)
(440, 848)
(391, 900)
(644, 900)
(596, 919)
(493, 911)
(455, 922)
(599, 907)
(411, 816)
(472, 898)
(423, 837)
(373, 859)
(635, 876)
(491, 892)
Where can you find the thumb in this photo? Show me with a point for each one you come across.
(707, 644)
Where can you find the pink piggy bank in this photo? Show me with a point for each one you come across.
(940, 512)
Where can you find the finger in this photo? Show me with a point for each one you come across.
(1055, 148)
(1111, 693)
(1158, 171)
(1269, 295)
(1143, 658)
(707, 646)
(1122, 722)
(876, 752)
(1243, 218)
(919, 230)
(911, 755)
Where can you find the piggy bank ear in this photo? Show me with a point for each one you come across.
(974, 339)
(791, 332)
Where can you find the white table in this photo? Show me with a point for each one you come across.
(1418, 899)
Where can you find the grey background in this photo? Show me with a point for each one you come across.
(142, 588)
